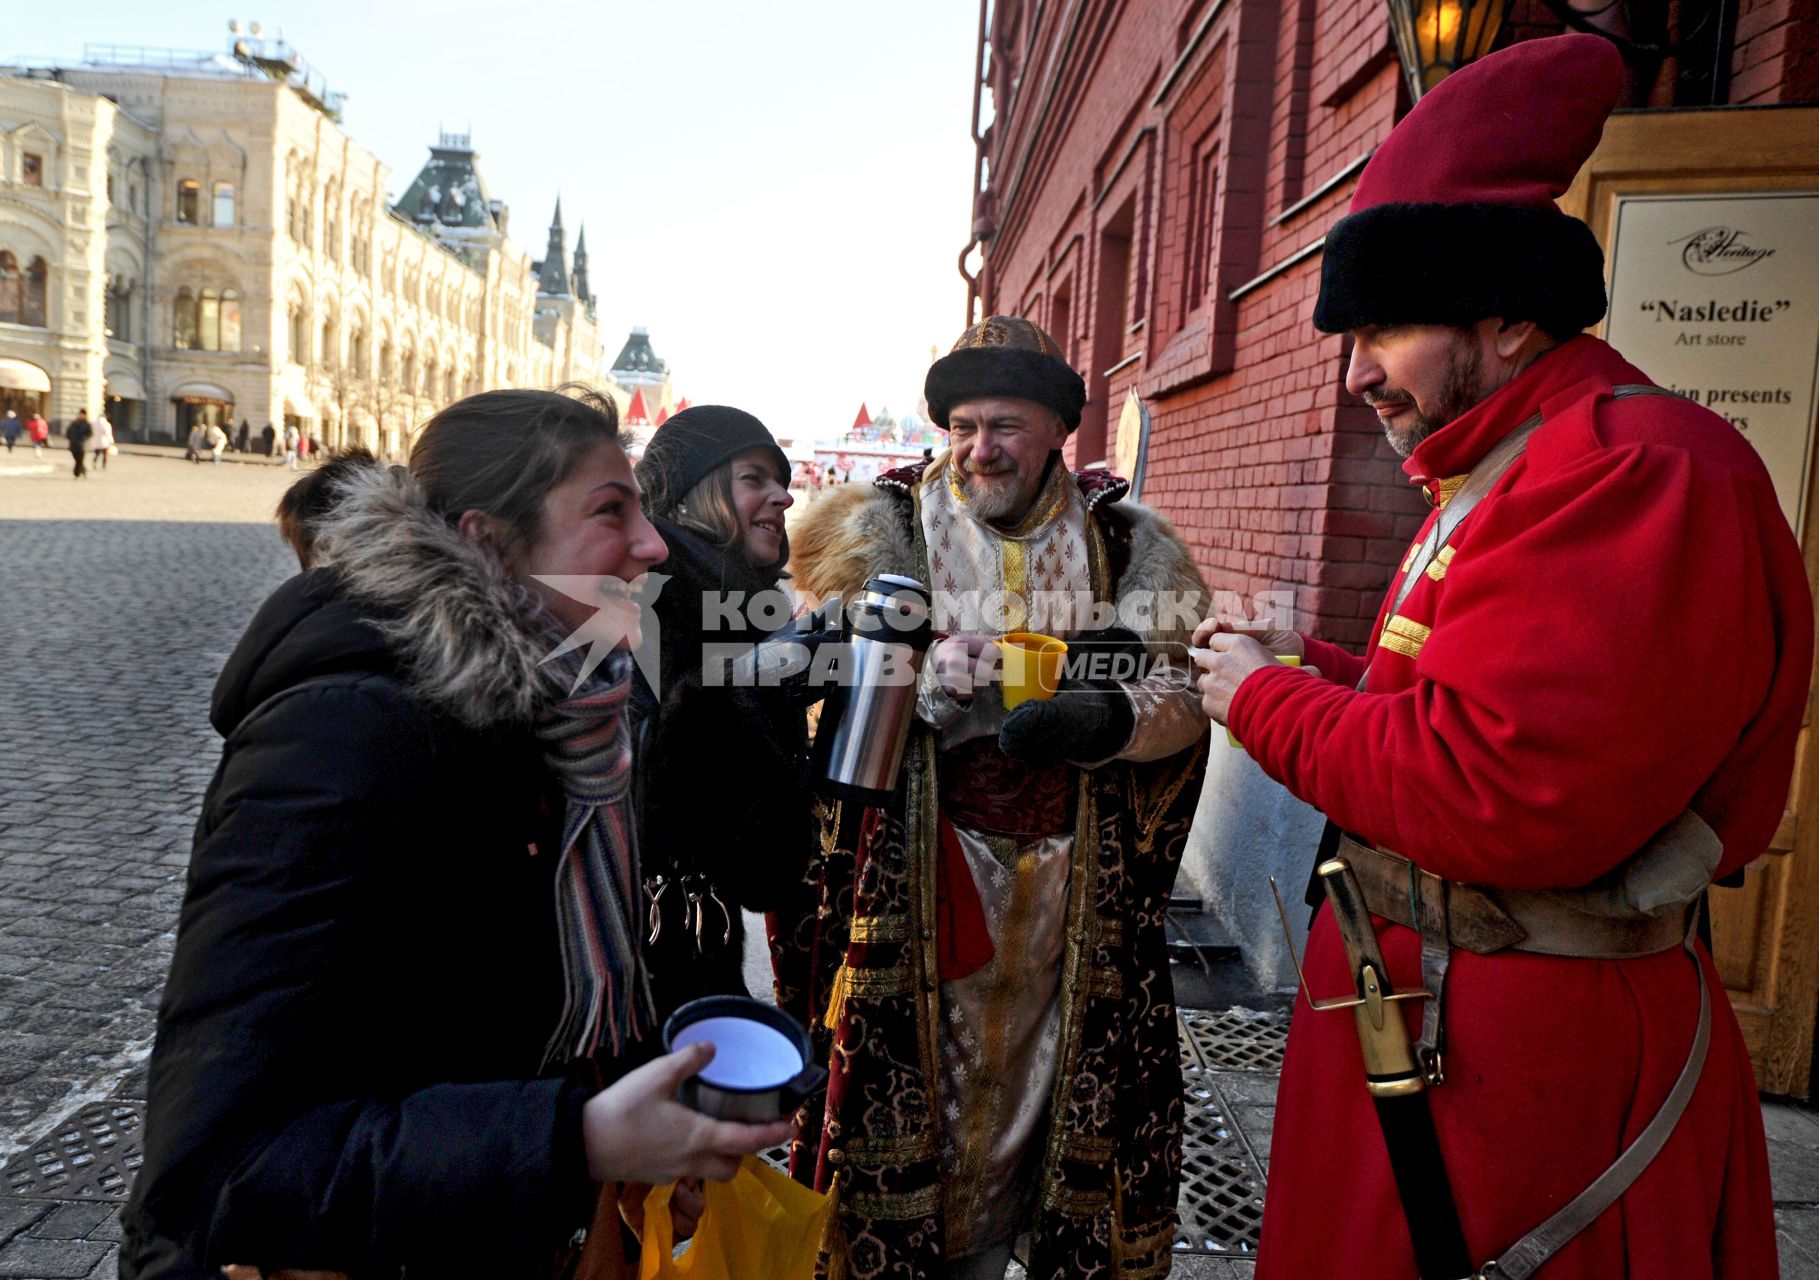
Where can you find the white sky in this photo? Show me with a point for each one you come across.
(777, 190)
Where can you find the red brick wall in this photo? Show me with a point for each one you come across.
(1147, 164)
(1777, 52)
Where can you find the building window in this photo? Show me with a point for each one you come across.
(31, 169)
(189, 201)
(328, 343)
(356, 351)
(22, 293)
(208, 321)
(299, 334)
(224, 204)
(183, 321)
(110, 191)
(119, 310)
(407, 373)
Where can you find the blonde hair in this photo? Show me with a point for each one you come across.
(708, 508)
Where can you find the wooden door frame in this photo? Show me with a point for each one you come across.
(1774, 989)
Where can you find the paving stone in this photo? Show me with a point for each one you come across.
(1797, 1234)
(72, 1222)
(17, 1215)
(50, 1259)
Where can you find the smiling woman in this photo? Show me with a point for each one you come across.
(408, 960)
(717, 488)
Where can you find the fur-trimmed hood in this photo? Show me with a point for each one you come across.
(859, 531)
(466, 636)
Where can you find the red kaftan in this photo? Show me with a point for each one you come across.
(1624, 628)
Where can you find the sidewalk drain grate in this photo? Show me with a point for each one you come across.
(91, 1156)
(1236, 1039)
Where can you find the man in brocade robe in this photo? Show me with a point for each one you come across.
(983, 958)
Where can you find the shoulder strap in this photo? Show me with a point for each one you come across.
(1479, 482)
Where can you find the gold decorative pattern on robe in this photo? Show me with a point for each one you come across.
(1436, 569)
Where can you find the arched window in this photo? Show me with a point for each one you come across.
(230, 321)
(208, 321)
(189, 201)
(119, 319)
(329, 352)
(429, 377)
(299, 337)
(356, 351)
(12, 288)
(407, 372)
(385, 361)
(224, 204)
(448, 384)
(183, 321)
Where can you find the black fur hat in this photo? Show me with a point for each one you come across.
(1005, 356)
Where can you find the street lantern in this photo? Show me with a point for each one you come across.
(1434, 38)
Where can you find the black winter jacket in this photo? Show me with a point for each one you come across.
(366, 974)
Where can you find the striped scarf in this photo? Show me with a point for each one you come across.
(587, 743)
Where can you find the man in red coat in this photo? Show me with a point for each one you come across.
(1611, 646)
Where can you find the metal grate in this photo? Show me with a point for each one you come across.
(91, 1156)
(1236, 1039)
(1221, 1205)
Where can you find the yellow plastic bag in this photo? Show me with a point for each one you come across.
(763, 1225)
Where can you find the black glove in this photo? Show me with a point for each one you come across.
(779, 666)
(1108, 654)
(1085, 720)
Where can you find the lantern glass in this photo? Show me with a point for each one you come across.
(1437, 37)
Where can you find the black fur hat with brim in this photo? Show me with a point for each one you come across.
(1005, 356)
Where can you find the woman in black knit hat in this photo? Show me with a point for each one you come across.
(723, 808)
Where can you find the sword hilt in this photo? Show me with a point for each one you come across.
(1390, 1067)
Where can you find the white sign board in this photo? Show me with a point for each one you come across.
(1716, 297)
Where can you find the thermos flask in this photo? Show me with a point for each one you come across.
(865, 721)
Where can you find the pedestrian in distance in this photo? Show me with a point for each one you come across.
(1522, 828)
(216, 442)
(102, 443)
(714, 485)
(407, 1028)
(193, 445)
(268, 434)
(244, 439)
(77, 435)
(293, 438)
(38, 431)
(10, 427)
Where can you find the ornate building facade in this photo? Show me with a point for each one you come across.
(211, 245)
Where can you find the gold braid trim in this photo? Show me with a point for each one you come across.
(873, 983)
(898, 1207)
(879, 929)
(892, 1149)
(1437, 569)
(1106, 982)
(1089, 1148)
(1403, 636)
(1074, 1202)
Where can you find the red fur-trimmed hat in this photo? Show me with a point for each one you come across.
(1454, 217)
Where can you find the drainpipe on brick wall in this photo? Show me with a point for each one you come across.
(972, 282)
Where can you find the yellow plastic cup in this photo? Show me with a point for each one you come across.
(1030, 667)
(1287, 660)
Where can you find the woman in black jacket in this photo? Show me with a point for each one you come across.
(724, 813)
(406, 968)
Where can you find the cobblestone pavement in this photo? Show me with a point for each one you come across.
(119, 599)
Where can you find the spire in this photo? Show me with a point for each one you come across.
(863, 419)
(551, 278)
(636, 415)
(579, 276)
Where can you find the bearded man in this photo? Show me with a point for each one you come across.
(1580, 707)
(983, 957)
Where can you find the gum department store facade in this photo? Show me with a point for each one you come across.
(192, 237)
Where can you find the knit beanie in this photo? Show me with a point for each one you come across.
(686, 449)
(1004, 356)
(1454, 219)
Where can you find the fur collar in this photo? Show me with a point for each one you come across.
(467, 635)
(858, 531)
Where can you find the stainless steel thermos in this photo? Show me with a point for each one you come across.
(865, 721)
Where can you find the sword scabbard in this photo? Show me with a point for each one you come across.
(1390, 1067)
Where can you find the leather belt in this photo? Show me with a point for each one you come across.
(1553, 922)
